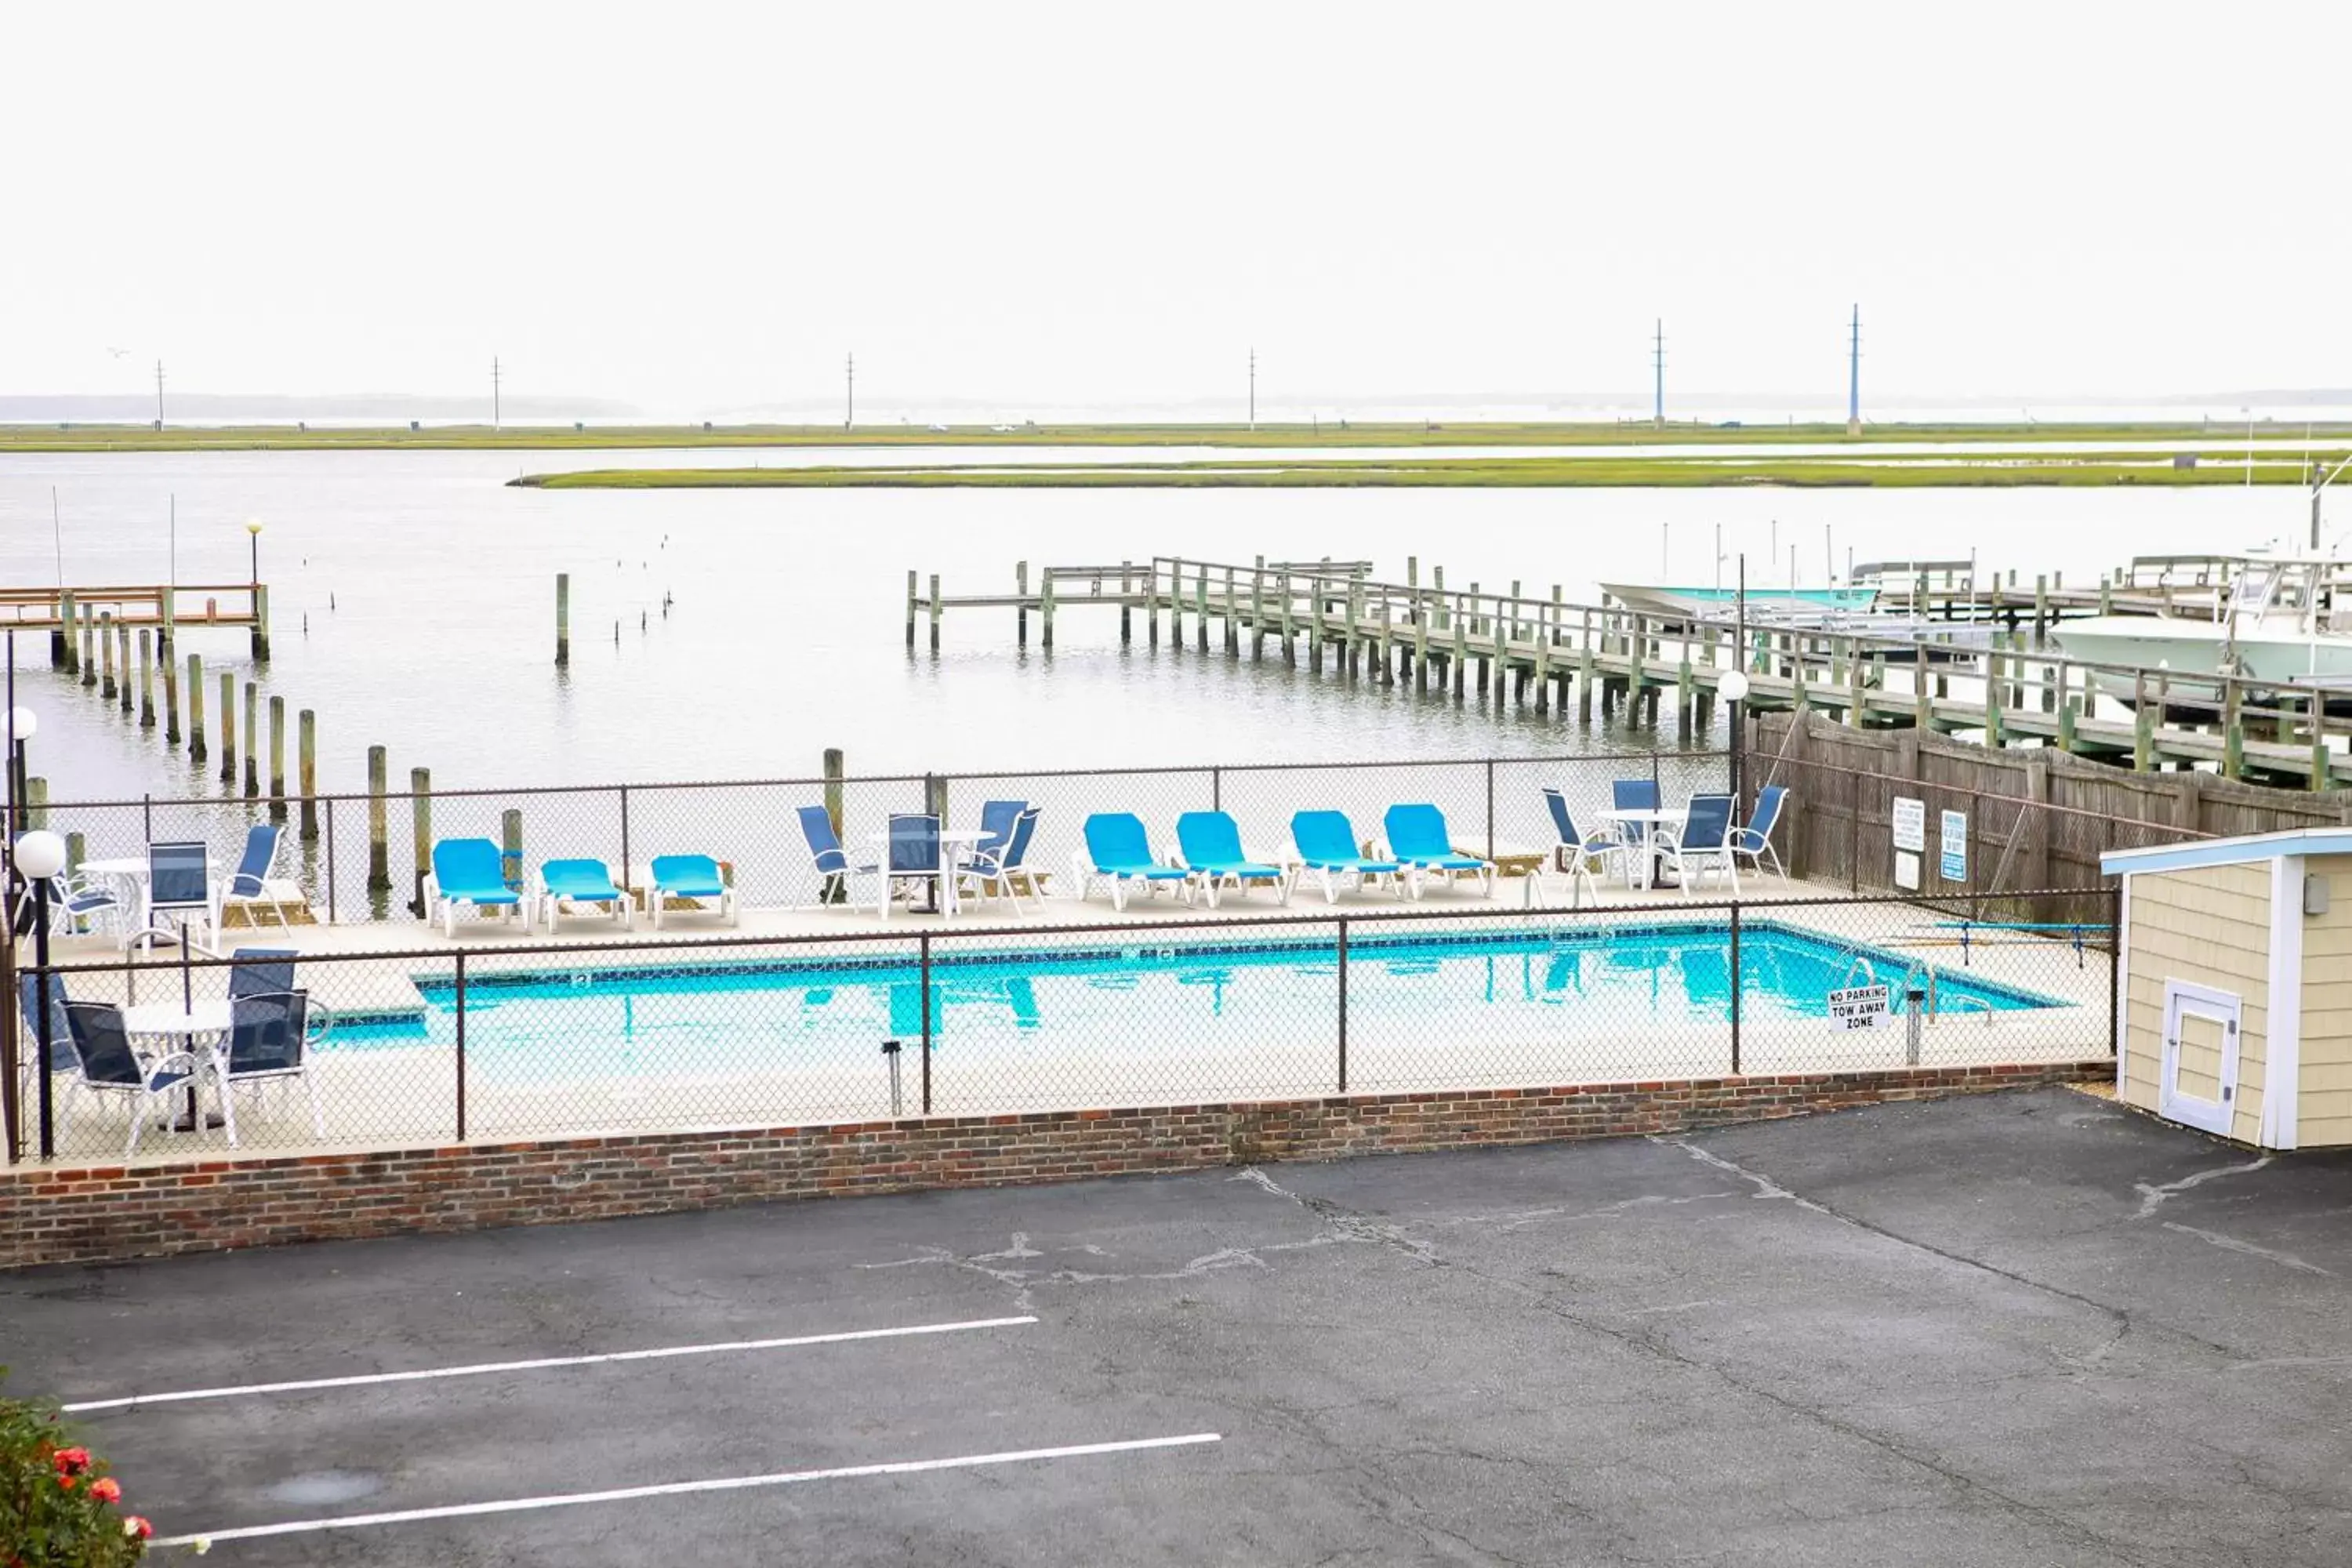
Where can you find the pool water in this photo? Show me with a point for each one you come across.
(1165, 1001)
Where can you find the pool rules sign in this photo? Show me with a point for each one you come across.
(1910, 840)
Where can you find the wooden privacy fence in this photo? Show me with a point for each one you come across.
(2034, 819)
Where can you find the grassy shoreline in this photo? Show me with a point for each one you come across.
(2001, 471)
(449, 437)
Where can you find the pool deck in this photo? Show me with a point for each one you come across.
(399, 1093)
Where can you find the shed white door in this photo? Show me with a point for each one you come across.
(2200, 1086)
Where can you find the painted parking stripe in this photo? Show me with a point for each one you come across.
(544, 1363)
(680, 1489)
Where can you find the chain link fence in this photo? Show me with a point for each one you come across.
(332, 1050)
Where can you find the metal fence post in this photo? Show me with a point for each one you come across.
(331, 859)
(1490, 808)
(2115, 965)
(1853, 840)
(926, 977)
(1216, 789)
(625, 840)
(1343, 1004)
(147, 817)
(1735, 989)
(461, 1045)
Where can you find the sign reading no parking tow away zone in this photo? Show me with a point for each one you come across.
(1858, 1007)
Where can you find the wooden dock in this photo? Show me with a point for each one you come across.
(1540, 652)
(77, 617)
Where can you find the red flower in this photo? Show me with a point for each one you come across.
(72, 1461)
(106, 1489)
(67, 1482)
(134, 1525)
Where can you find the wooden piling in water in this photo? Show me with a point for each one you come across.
(261, 643)
(1126, 610)
(379, 880)
(227, 727)
(37, 803)
(1021, 611)
(147, 678)
(511, 848)
(911, 597)
(277, 758)
(196, 708)
(89, 658)
(252, 740)
(106, 688)
(564, 620)
(420, 811)
(123, 663)
(306, 770)
(936, 611)
(1045, 615)
(1201, 611)
(61, 640)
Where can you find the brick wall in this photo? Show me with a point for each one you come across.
(90, 1214)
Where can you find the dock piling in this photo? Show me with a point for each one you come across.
(420, 803)
(379, 852)
(306, 774)
(911, 597)
(89, 659)
(935, 612)
(252, 740)
(277, 758)
(147, 679)
(227, 727)
(106, 689)
(260, 644)
(511, 848)
(196, 708)
(563, 620)
(1021, 612)
(61, 640)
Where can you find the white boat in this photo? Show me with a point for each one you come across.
(2283, 622)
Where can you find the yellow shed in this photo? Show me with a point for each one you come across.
(2236, 985)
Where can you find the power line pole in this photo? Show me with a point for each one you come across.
(849, 413)
(159, 395)
(1853, 378)
(494, 391)
(1658, 371)
(1253, 407)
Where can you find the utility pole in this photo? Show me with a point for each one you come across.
(849, 413)
(159, 395)
(1253, 403)
(1658, 371)
(1853, 377)
(494, 391)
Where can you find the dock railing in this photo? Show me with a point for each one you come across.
(496, 1044)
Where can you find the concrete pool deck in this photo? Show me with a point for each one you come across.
(2031, 1328)
(823, 1063)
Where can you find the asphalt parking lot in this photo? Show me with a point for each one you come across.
(2016, 1330)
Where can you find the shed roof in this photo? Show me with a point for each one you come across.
(2242, 851)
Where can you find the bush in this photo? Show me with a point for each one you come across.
(58, 1508)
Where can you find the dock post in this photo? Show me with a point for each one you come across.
(2322, 768)
(1233, 621)
(1993, 702)
(122, 660)
(563, 618)
(1314, 627)
(1855, 671)
(1289, 623)
(1151, 603)
(106, 689)
(277, 758)
(911, 597)
(1126, 610)
(306, 771)
(147, 678)
(833, 777)
(1201, 609)
(420, 803)
(196, 708)
(1420, 649)
(1457, 662)
(2040, 605)
(89, 658)
(2066, 727)
(228, 727)
(1045, 616)
(37, 803)
(61, 640)
(1020, 610)
(167, 612)
(2143, 727)
(511, 848)
(252, 740)
(261, 623)
(2234, 729)
(935, 612)
(2106, 597)
(379, 854)
(1257, 610)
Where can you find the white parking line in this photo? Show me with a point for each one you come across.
(678, 1489)
(484, 1368)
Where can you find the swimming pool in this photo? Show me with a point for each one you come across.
(1166, 1000)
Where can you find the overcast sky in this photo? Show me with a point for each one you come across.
(703, 207)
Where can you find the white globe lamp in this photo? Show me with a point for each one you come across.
(1733, 686)
(40, 855)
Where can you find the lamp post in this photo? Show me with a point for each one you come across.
(39, 856)
(253, 535)
(1733, 688)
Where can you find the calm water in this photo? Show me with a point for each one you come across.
(427, 588)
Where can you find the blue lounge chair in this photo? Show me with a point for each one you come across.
(1576, 852)
(833, 866)
(1211, 845)
(999, 872)
(467, 871)
(1118, 852)
(1327, 847)
(576, 882)
(250, 884)
(1417, 836)
(1705, 842)
(1754, 840)
(695, 877)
